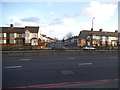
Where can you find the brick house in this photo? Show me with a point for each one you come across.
(28, 35)
(98, 38)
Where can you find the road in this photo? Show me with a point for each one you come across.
(99, 71)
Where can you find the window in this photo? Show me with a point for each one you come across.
(11, 35)
(1, 41)
(97, 37)
(100, 37)
(4, 41)
(35, 35)
(94, 36)
(20, 35)
(116, 38)
(104, 38)
(103, 42)
(94, 42)
(27, 35)
(23, 35)
(19, 41)
(11, 41)
(88, 38)
(1, 34)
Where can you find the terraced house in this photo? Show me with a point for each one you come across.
(27, 35)
(98, 38)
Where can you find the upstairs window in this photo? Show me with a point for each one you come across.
(11, 35)
(36, 35)
(23, 35)
(1, 34)
(100, 37)
(27, 35)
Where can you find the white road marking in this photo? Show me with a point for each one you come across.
(67, 72)
(85, 64)
(13, 67)
(24, 59)
(113, 57)
(71, 58)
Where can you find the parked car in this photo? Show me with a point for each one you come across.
(88, 48)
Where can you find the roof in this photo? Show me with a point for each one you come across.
(43, 35)
(19, 29)
(32, 29)
(83, 34)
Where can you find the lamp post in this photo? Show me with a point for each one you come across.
(92, 23)
(91, 42)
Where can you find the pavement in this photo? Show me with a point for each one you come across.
(86, 71)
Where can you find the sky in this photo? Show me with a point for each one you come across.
(56, 19)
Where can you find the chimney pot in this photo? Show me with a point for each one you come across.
(91, 29)
(116, 31)
(11, 25)
(100, 30)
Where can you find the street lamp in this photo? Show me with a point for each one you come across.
(92, 23)
(91, 42)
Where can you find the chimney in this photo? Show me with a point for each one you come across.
(100, 30)
(11, 25)
(116, 31)
(91, 29)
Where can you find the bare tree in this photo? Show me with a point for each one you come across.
(56, 39)
(69, 35)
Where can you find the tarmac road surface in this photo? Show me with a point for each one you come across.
(99, 71)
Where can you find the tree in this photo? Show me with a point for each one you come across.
(68, 35)
(56, 39)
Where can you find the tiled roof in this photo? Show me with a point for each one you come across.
(32, 29)
(43, 35)
(83, 34)
(19, 29)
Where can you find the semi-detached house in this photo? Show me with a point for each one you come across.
(28, 35)
(98, 38)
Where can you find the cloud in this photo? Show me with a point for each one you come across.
(31, 19)
(61, 26)
(101, 11)
(18, 24)
(59, 21)
(56, 21)
(60, 30)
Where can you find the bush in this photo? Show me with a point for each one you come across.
(19, 47)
